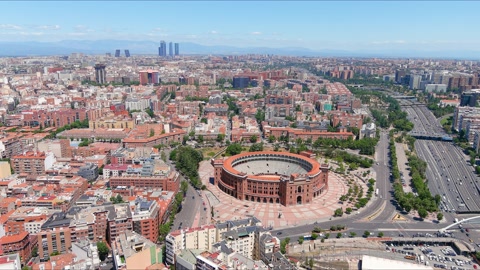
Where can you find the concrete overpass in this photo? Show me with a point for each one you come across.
(430, 136)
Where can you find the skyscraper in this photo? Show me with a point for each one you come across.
(127, 53)
(170, 49)
(117, 53)
(148, 77)
(162, 50)
(100, 73)
(177, 49)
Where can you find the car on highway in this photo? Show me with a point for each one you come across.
(279, 233)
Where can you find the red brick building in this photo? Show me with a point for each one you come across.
(175, 136)
(170, 182)
(58, 118)
(31, 163)
(17, 243)
(271, 177)
(146, 219)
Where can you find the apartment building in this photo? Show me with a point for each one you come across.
(205, 237)
(133, 251)
(54, 240)
(17, 243)
(170, 181)
(32, 163)
(146, 218)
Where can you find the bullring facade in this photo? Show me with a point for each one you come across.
(271, 177)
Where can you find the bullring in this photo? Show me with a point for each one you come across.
(271, 177)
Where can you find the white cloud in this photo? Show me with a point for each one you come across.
(30, 33)
(389, 42)
(48, 27)
(76, 34)
(10, 27)
(213, 32)
(157, 35)
(256, 33)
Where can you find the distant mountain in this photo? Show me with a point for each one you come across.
(66, 47)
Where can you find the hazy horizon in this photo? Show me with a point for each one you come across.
(345, 26)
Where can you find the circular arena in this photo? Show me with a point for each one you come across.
(271, 177)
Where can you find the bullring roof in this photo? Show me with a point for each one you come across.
(227, 164)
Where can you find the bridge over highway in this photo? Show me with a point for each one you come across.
(459, 222)
(430, 136)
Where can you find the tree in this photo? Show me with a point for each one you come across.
(271, 139)
(152, 132)
(55, 253)
(253, 139)
(283, 245)
(35, 252)
(310, 263)
(314, 236)
(102, 250)
(184, 187)
(233, 149)
(150, 112)
(339, 235)
(256, 147)
(422, 213)
(301, 239)
(366, 234)
(338, 212)
(353, 234)
(260, 116)
(380, 234)
(220, 137)
(200, 138)
(439, 216)
(348, 210)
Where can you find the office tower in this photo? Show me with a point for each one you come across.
(162, 50)
(415, 81)
(240, 82)
(177, 49)
(127, 53)
(117, 53)
(399, 75)
(170, 49)
(470, 98)
(100, 73)
(148, 77)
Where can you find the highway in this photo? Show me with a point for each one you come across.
(380, 210)
(449, 173)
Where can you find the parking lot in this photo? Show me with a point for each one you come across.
(437, 256)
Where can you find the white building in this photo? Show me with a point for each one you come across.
(368, 131)
(435, 88)
(10, 262)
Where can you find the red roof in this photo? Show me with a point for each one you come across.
(8, 239)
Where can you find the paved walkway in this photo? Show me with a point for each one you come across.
(402, 162)
(229, 208)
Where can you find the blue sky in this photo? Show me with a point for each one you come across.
(354, 25)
